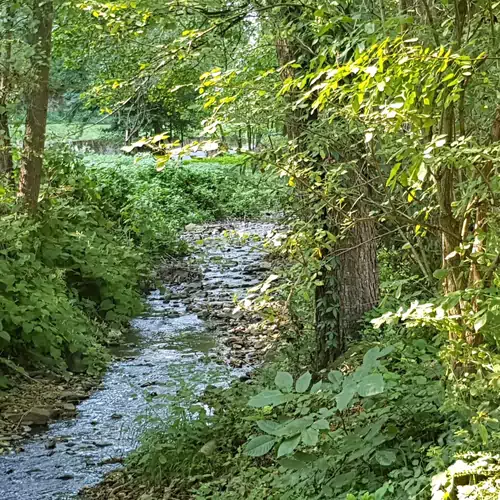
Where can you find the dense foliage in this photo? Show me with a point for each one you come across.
(384, 120)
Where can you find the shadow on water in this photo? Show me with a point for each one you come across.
(168, 347)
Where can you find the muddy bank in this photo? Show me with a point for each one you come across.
(189, 336)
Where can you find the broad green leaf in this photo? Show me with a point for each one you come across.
(284, 381)
(344, 399)
(370, 357)
(303, 382)
(371, 385)
(106, 305)
(321, 424)
(340, 480)
(316, 387)
(268, 398)
(335, 377)
(4, 335)
(288, 446)
(310, 437)
(269, 427)
(385, 457)
(295, 426)
(440, 273)
(259, 446)
(480, 322)
(292, 463)
(209, 448)
(385, 351)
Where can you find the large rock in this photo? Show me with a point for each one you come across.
(35, 416)
(73, 396)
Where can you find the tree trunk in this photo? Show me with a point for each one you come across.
(349, 290)
(6, 163)
(36, 117)
(249, 137)
(358, 278)
(351, 287)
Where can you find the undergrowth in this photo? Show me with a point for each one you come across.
(388, 421)
(153, 206)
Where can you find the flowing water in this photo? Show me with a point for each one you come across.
(173, 346)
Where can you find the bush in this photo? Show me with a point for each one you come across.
(63, 275)
(68, 274)
(155, 206)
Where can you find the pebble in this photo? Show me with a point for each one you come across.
(66, 477)
(51, 444)
(102, 444)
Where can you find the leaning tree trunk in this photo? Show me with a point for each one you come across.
(36, 117)
(6, 163)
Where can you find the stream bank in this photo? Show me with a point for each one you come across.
(189, 336)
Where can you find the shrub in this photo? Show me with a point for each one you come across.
(155, 206)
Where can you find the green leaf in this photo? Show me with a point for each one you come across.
(209, 448)
(5, 336)
(480, 322)
(259, 446)
(303, 382)
(345, 397)
(482, 431)
(292, 463)
(106, 305)
(385, 457)
(268, 398)
(370, 358)
(288, 446)
(335, 377)
(284, 381)
(316, 387)
(440, 273)
(392, 175)
(269, 427)
(341, 480)
(321, 424)
(295, 426)
(310, 437)
(369, 28)
(28, 327)
(385, 351)
(371, 385)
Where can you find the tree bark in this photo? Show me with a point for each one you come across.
(36, 116)
(358, 278)
(6, 162)
(249, 137)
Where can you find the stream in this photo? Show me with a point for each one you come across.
(182, 339)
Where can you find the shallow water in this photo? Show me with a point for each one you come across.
(173, 346)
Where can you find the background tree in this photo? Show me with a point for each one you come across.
(37, 106)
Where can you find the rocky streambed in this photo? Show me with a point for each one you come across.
(191, 336)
